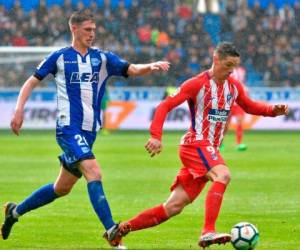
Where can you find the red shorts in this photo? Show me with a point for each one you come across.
(236, 110)
(197, 161)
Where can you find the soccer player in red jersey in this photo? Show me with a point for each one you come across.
(239, 114)
(210, 96)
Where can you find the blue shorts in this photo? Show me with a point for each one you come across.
(77, 146)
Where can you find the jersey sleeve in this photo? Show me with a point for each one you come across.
(116, 66)
(47, 66)
(250, 106)
(183, 93)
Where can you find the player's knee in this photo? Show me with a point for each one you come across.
(62, 189)
(224, 177)
(174, 208)
(92, 173)
(219, 174)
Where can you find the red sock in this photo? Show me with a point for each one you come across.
(239, 134)
(213, 204)
(149, 218)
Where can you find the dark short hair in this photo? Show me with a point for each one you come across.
(80, 16)
(225, 49)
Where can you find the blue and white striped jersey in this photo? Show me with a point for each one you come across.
(81, 84)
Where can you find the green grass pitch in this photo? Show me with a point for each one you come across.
(265, 190)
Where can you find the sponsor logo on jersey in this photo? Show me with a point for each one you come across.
(84, 77)
(218, 115)
(70, 62)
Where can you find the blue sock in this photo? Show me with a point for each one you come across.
(40, 197)
(100, 203)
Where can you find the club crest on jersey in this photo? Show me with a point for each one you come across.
(228, 98)
(218, 115)
(84, 77)
(95, 61)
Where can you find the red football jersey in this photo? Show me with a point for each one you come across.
(210, 104)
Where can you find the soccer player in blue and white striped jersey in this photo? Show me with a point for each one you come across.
(81, 73)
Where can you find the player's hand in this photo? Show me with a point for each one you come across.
(280, 109)
(160, 65)
(17, 121)
(153, 146)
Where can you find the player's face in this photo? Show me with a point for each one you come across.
(225, 66)
(84, 33)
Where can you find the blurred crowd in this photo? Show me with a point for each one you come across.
(148, 30)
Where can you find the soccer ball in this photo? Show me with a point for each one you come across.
(244, 236)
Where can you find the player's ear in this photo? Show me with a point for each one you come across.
(216, 58)
(73, 27)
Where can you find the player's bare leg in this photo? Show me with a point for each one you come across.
(64, 182)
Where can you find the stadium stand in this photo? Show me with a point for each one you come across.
(267, 33)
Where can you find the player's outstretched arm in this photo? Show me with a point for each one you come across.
(153, 146)
(280, 109)
(18, 116)
(144, 69)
